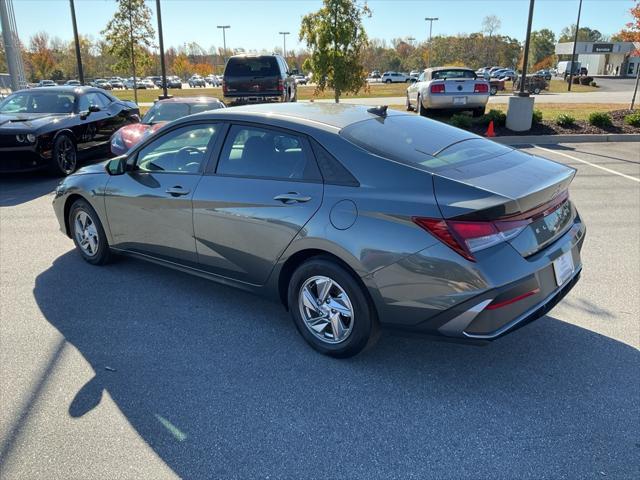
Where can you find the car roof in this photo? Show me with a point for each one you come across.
(325, 115)
(64, 89)
(453, 67)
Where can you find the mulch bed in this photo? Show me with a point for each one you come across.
(581, 127)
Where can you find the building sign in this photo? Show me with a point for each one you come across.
(602, 48)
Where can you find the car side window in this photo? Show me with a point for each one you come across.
(183, 150)
(266, 153)
(88, 99)
(104, 100)
(421, 77)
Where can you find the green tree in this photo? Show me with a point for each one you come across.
(129, 36)
(585, 34)
(336, 39)
(543, 45)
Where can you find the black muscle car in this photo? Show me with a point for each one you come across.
(50, 127)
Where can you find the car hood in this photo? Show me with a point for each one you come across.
(29, 121)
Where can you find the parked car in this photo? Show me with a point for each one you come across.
(456, 88)
(116, 83)
(47, 83)
(102, 83)
(148, 83)
(162, 112)
(300, 79)
(564, 68)
(172, 82)
(395, 77)
(49, 127)
(258, 78)
(496, 85)
(534, 84)
(139, 84)
(415, 73)
(507, 74)
(156, 81)
(546, 74)
(196, 81)
(355, 218)
(213, 80)
(73, 83)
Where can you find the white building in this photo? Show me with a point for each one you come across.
(603, 58)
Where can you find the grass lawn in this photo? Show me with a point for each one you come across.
(550, 111)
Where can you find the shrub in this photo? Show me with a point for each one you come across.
(600, 119)
(586, 80)
(461, 120)
(537, 116)
(593, 84)
(633, 119)
(565, 120)
(499, 118)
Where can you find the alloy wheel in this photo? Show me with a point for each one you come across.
(86, 233)
(326, 309)
(66, 155)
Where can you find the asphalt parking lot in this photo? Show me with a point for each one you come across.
(134, 371)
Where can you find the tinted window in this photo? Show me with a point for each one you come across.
(420, 142)
(166, 112)
(180, 151)
(252, 66)
(92, 98)
(257, 152)
(38, 102)
(453, 73)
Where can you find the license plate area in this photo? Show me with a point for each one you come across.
(459, 100)
(563, 268)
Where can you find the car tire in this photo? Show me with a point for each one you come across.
(408, 104)
(387, 81)
(64, 156)
(355, 317)
(493, 90)
(87, 233)
(478, 112)
(536, 90)
(423, 112)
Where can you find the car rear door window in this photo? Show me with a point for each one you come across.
(183, 150)
(265, 153)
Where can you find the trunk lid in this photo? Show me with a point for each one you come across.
(489, 182)
(461, 85)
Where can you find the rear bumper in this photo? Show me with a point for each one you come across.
(254, 98)
(446, 100)
(436, 291)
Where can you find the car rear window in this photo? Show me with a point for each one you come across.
(166, 112)
(453, 73)
(420, 142)
(252, 66)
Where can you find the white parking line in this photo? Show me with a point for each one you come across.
(588, 163)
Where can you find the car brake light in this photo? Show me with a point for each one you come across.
(468, 237)
(481, 88)
(437, 88)
(280, 85)
(224, 86)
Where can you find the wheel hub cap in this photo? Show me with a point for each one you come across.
(326, 309)
(86, 233)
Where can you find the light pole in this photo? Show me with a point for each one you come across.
(163, 67)
(224, 41)
(77, 41)
(284, 43)
(430, 20)
(525, 59)
(573, 53)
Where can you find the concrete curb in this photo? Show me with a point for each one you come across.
(555, 139)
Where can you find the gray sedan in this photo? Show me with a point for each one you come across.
(353, 218)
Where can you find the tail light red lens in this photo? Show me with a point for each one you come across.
(437, 88)
(224, 86)
(481, 88)
(281, 85)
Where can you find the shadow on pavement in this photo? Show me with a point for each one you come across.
(219, 384)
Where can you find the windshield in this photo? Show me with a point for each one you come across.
(252, 66)
(166, 112)
(420, 142)
(453, 73)
(38, 102)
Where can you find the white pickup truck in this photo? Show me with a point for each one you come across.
(451, 88)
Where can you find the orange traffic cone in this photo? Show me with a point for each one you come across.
(490, 132)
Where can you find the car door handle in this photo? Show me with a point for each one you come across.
(177, 191)
(291, 197)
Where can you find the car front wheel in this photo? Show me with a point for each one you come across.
(87, 233)
(331, 309)
(64, 160)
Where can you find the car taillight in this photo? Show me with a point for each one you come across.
(437, 88)
(481, 88)
(468, 237)
(224, 86)
(280, 85)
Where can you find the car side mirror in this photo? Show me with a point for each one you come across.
(116, 166)
(94, 108)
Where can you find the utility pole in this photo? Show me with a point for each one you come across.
(163, 66)
(573, 53)
(11, 48)
(525, 59)
(76, 39)
(430, 20)
(635, 89)
(284, 44)
(133, 58)
(224, 42)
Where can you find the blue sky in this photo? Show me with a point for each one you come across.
(255, 23)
